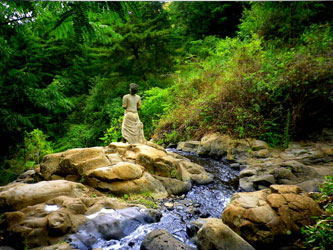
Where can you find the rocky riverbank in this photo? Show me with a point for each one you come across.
(304, 164)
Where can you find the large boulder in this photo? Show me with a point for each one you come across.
(261, 173)
(218, 145)
(195, 172)
(160, 239)
(188, 146)
(122, 168)
(73, 162)
(43, 213)
(147, 183)
(214, 234)
(263, 217)
(214, 145)
(157, 162)
(174, 186)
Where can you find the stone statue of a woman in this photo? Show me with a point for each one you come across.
(132, 127)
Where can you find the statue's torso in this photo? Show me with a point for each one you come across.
(131, 103)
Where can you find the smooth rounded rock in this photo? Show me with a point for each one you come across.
(160, 239)
(215, 235)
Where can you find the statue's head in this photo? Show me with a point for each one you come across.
(133, 88)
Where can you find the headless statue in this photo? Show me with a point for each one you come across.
(132, 127)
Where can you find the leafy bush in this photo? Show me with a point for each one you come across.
(155, 102)
(77, 136)
(113, 134)
(320, 235)
(36, 146)
(31, 153)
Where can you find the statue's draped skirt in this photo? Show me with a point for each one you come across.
(132, 128)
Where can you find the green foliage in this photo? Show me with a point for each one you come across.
(77, 136)
(36, 146)
(320, 235)
(64, 67)
(154, 104)
(282, 22)
(28, 156)
(199, 19)
(113, 134)
(83, 179)
(172, 137)
(326, 192)
(203, 48)
(248, 90)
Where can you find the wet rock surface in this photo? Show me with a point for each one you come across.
(111, 225)
(18, 195)
(178, 211)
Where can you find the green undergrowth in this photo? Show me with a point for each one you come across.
(320, 235)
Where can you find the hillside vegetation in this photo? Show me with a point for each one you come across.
(269, 82)
(261, 69)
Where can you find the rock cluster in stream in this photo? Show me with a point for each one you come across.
(126, 168)
(304, 164)
(44, 205)
(264, 219)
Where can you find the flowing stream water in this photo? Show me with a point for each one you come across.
(201, 201)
